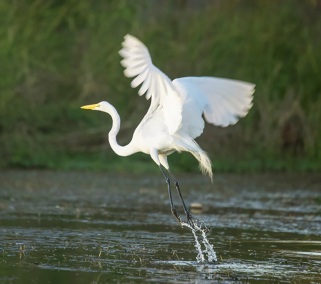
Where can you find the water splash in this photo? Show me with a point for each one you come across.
(208, 248)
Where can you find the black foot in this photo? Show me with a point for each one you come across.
(190, 219)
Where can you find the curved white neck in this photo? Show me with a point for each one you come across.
(112, 135)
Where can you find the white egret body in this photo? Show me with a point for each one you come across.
(175, 116)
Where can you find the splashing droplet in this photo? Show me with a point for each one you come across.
(209, 250)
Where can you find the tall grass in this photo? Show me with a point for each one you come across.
(58, 55)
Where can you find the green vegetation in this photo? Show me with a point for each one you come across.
(58, 55)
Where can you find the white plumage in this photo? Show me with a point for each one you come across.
(184, 100)
(175, 115)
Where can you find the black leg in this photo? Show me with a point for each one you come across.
(168, 179)
(173, 209)
(189, 216)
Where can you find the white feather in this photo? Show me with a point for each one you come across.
(223, 100)
(155, 84)
(175, 116)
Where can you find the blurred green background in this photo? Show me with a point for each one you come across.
(56, 56)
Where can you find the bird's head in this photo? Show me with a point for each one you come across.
(102, 106)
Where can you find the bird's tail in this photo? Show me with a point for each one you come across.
(204, 162)
(189, 145)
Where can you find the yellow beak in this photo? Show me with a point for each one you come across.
(90, 106)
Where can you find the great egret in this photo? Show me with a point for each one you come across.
(174, 117)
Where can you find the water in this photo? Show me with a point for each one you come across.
(97, 228)
(205, 250)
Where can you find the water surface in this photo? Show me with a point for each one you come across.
(78, 227)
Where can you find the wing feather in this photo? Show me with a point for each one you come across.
(184, 100)
(143, 89)
(154, 83)
(139, 79)
(223, 101)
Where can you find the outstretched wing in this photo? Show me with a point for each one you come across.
(223, 101)
(184, 100)
(154, 83)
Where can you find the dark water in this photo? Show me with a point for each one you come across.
(100, 228)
